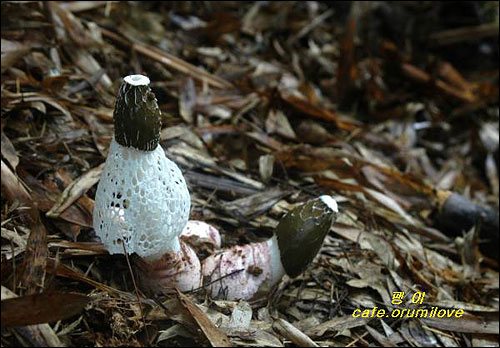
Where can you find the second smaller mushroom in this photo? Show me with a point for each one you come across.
(251, 270)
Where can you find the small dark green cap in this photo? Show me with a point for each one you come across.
(136, 115)
(301, 232)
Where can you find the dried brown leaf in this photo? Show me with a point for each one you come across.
(75, 190)
(215, 336)
(312, 110)
(39, 335)
(35, 257)
(9, 152)
(467, 323)
(336, 325)
(187, 99)
(12, 186)
(11, 53)
(42, 308)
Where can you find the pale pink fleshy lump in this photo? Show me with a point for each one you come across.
(199, 233)
(181, 270)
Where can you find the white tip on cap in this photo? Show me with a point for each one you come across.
(137, 80)
(330, 203)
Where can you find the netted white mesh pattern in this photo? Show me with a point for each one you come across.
(142, 201)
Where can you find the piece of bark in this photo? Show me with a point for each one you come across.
(457, 214)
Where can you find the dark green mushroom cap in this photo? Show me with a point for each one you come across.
(301, 232)
(136, 115)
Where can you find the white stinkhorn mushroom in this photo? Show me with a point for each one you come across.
(142, 201)
(244, 272)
